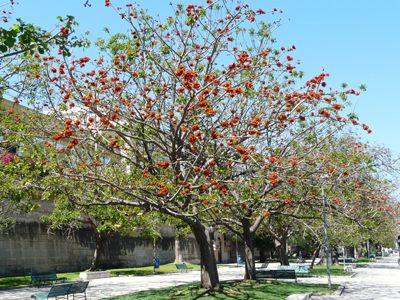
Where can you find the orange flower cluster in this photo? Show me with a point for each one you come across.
(223, 189)
(273, 178)
(164, 165)
(163, 191)
(287, 201)
(206, 173)
(58, 136)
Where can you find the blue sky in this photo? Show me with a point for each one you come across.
(356, 41)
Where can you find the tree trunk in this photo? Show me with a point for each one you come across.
(281, 250)
(250, 263)
(263, 257)
(178, 251)
(96, 257)
(322, 261)
(315, 255)
(209, 272)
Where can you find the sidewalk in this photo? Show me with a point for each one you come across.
(115, 286)
(377, 281)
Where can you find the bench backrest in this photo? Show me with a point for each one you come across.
(264, 265)
(295, 268)
(43, 275)
(279, 273)
(286, 273)
(181, 266)
(59, 290)
(78, 287)
(288, 267)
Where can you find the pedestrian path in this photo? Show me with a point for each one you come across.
(115, 286)
(377, 281)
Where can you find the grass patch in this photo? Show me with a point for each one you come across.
(335, 271)
(361, 265)
(364, 260)
(25, 280)
(233, 289)
(150, 270)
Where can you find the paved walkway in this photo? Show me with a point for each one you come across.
(114, 286)
(377, 281)
(380, 280)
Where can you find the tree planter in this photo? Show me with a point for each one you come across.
(94, 275)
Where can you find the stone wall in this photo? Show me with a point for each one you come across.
(28, 246)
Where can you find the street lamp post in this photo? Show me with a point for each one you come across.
(326, 241)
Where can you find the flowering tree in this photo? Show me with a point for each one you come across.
(189, 118)
(357, 200)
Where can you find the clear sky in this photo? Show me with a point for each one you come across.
(356, 41)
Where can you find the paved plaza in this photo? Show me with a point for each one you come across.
(379, 280)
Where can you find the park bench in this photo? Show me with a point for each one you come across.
(263, 266)
(372, 256)
(241, 263)
(183, 267)
(304, 270)
(276, 274)
(43, 277)
(348, 259)
(64, 289)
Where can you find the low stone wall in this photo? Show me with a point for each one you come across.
(29, 248)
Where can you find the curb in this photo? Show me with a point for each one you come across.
(338, 292)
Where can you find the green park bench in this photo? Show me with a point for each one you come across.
(304, 270)
(44, 277)
(372, 256)
(348, 259)
(183, 267)
(64, 289)
(276, 274)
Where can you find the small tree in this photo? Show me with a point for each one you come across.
(105, 222)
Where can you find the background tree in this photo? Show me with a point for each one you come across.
(105, 222)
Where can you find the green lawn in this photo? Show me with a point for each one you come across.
(364, 259)
(24, 280)
(335, 271)
(234, 289)
(149, 270)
